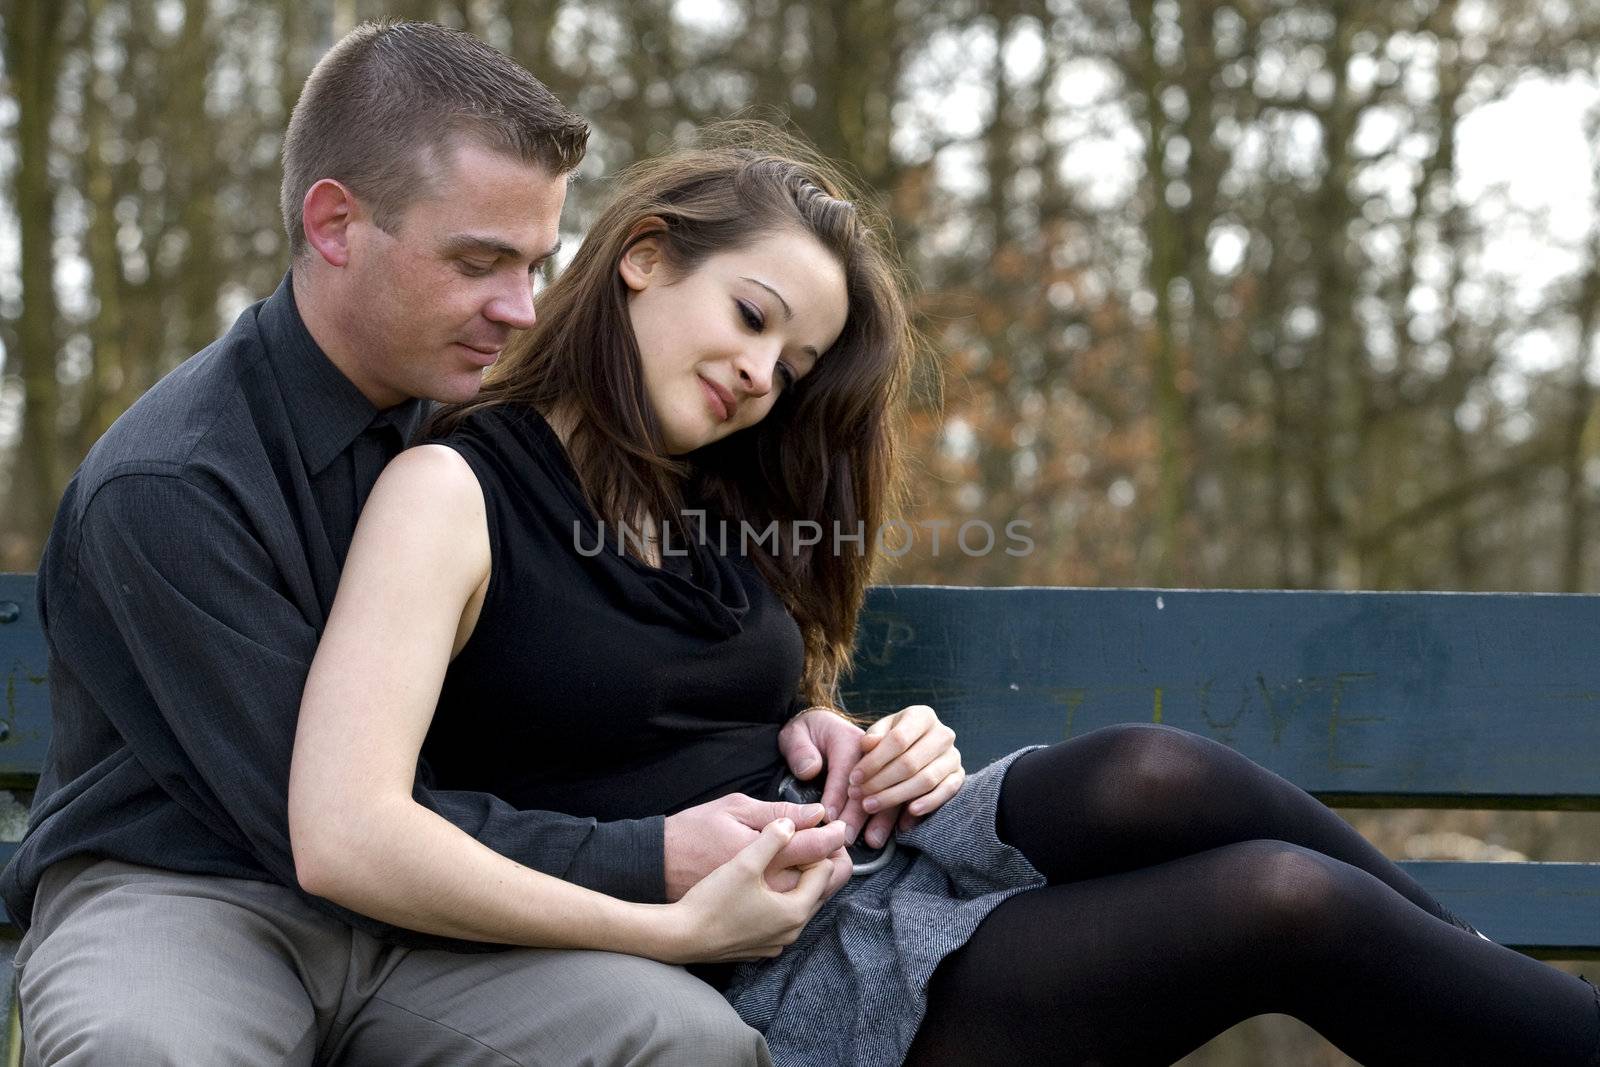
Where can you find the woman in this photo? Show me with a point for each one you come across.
(609, 545)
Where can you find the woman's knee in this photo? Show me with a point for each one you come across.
(1296, 895)
(1153, 768)
(1126, 779)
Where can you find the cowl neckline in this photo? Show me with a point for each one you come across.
(702, 588)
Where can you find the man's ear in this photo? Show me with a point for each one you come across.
(326, 214)
(642, 261)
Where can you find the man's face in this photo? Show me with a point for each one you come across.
(431, 304)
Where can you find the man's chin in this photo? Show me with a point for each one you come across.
(457, 389)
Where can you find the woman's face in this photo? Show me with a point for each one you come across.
(720, 344)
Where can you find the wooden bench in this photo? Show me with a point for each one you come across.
(1364, 699)
(1384, 700)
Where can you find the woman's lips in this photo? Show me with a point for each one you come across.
(719, 406)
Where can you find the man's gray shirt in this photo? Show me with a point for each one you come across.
(183, 588)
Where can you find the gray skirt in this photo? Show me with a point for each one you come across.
(853, 988)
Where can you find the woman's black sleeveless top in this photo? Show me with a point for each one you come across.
(595, 684)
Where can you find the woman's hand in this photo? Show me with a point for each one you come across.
(733, 914)
(908, 758)
(700, 839)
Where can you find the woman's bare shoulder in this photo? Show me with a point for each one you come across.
(427, 504)
(434, 474)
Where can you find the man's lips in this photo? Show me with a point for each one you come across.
(482, 354)
(721, 400)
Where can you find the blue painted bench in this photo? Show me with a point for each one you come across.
(1381, 700)
(1364, 699)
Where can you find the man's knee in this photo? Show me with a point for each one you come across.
(162, 1024)
(692, 1024)
(159, 969)
(119, 1033)
(548, 1006)
(666, 1017)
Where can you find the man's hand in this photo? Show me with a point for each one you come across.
(702, 838)
(888, 776)
(819, 736)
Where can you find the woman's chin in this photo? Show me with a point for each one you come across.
(682, 440)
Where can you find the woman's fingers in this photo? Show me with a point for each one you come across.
(924, 781)
(888, 786)
(805, 847)
(941, 793)
(842, 869)
(812, 890)
(742, 917)
(879, 827)
(919, 809)
(765, 848)
(854, 816)
(888, 758)
(782, 879)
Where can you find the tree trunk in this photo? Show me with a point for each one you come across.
(1337, 361)
(201, 270)
(1583, 422)
(109, 390)
(33, 58)
(1162, 228)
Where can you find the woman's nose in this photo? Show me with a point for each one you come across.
(756, 370)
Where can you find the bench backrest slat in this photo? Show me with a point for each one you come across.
(1544, 909)
(1465, 700)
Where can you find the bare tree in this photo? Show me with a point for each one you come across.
(34, 32)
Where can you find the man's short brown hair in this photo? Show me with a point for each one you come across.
(390, 98)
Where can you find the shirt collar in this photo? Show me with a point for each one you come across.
(326, 410)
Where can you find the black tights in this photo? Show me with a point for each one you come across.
(1190, 889)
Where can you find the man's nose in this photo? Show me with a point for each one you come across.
(514, 306)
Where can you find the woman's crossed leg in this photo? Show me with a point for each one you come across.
(1192, 889)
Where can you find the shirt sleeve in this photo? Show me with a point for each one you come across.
(223, 652)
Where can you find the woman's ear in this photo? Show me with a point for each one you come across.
(642, 260)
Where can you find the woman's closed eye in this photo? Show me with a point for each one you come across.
(752, 316)
(757, 323)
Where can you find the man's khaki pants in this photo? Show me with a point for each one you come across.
(130, 965)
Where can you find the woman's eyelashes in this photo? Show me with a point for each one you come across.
(757, 322)
(752, 316)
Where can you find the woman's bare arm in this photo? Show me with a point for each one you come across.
(415, 577)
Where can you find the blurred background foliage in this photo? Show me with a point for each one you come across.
(1224, 297)
(1286, 293)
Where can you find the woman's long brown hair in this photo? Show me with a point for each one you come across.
(828, 452)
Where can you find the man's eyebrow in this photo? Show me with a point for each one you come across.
(788, 312)
(471, 242)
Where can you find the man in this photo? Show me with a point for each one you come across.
(188, 575)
